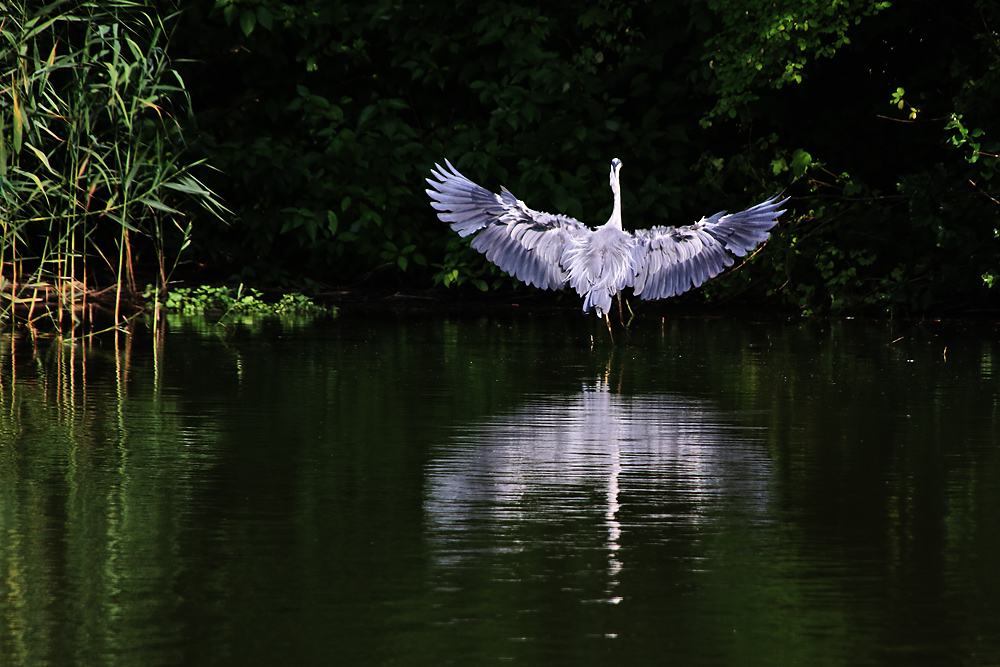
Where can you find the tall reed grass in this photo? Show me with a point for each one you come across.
(93, 169)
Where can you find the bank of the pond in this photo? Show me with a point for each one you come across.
(95, 310)
(452, 301)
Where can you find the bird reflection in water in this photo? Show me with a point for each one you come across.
(672, 461)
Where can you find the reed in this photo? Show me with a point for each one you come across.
(93, 168)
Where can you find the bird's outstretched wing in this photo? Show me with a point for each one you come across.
(526, 244)
(672, 260)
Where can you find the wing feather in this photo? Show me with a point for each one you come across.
(672, 260)
(526, 244)
(740, 232)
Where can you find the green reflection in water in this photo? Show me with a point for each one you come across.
(264, 495)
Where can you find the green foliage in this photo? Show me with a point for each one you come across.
(895, 205)
(352, 104)
(324, 118)
(92, 162)
(232, 300)
(761, 45)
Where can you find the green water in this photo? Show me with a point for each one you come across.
(432, 491)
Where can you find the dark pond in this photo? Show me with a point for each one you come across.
(432, 491)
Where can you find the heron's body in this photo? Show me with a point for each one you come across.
(599, 264)
(551, 251)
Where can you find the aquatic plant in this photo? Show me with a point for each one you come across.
(93, 168)
(231, 301)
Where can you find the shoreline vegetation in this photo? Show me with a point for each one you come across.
(249, 151)
(48, 314)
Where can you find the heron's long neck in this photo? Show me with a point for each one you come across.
(616, 213)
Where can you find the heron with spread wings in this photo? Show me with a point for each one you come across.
(552, 251)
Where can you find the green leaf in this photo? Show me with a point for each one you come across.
(801, 161)
(189, 186)
(3, 155)
(264, 17)
(366, 114)
(20, 120)
(44, 160)
(247, 21)
(158, 205)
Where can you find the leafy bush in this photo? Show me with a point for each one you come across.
(230, 300)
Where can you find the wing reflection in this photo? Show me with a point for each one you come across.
(585, 457)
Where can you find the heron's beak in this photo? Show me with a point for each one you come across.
(616, 166)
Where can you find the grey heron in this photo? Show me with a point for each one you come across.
(552, 251)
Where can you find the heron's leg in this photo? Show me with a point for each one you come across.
(621, 315)
(607, 321)
(631, 315)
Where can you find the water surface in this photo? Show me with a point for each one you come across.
(429, 491)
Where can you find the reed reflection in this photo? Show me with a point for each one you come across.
(594, 462)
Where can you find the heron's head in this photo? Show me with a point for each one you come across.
(616, 166)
